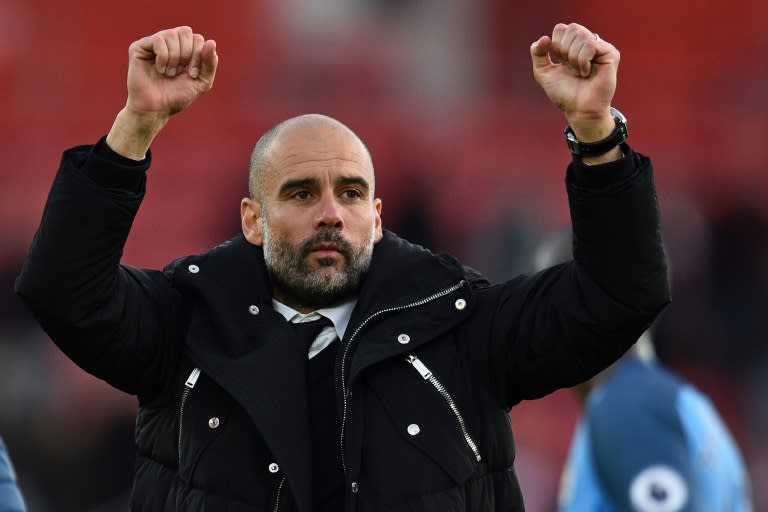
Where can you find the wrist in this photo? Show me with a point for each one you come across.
(600, 145)
(133, 132)
(591, 127)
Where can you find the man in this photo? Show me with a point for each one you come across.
(648, 440)
(10, 496)
(401, 402)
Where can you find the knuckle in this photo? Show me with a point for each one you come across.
(181, 32)
(158, 40)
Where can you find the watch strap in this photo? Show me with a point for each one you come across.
(600, 147)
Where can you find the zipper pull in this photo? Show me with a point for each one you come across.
(192, 379)
(420, 367)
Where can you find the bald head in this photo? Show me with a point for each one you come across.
(293, 136)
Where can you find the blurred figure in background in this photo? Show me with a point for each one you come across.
(10, 496)
(648, 441)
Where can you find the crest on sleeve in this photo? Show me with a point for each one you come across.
(658, 489)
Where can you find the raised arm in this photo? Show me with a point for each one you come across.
(562, 326)
(116, 322)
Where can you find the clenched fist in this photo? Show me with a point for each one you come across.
(578, 72)
(167, 72)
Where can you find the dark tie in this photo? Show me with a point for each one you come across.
(325, 426)
(307, 331)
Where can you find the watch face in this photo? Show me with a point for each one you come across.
(618, 116)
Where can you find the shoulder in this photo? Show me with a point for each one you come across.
(634, 411)
(234, 251)
(635, 388)
(233, 268)
(401, 261)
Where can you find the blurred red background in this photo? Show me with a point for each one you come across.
(469, 157)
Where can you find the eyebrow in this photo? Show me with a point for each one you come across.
(314, 182)
(300, 183)
(354, 180)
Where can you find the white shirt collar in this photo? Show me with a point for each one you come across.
(339, 315)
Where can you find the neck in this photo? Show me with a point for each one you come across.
(292, 303)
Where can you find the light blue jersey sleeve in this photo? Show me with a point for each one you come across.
(10, 496)
(650, 443)
(580, 487)
(722, 482)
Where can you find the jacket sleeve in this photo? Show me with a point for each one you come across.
(114, 321)
(563, 325)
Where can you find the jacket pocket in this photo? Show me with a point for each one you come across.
(189, 385)
(221, 453)
(203, 416)
(428, 376)
(424, 415)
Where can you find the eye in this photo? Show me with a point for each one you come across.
(302, 195)
(352, 193)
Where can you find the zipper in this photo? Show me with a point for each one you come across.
(277, 497)
(191, 381)
(344, 391)
(427, 375)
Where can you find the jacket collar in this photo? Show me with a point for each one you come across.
(232, 282)
(400, 272)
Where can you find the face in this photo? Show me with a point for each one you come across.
(317, 220)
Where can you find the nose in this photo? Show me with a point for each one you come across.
(330, 213)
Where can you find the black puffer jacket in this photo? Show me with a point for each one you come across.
(433, 358)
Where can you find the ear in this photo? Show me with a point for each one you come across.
(250, 220)
(378, 233)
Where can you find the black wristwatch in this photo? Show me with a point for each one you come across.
(616, 137)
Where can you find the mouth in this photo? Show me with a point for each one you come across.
(326, 250)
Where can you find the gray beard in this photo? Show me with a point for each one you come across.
(301, 286)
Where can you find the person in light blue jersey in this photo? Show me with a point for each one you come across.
(10, 496)
(648, 441)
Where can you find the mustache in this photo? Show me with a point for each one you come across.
(326, 236)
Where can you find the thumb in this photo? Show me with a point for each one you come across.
(209, 61)
(540, 53)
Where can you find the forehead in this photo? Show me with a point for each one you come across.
(308, 148)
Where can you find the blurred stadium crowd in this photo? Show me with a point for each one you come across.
(469, 158)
